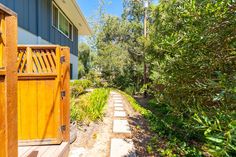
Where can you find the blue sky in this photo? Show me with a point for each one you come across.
(90, 7)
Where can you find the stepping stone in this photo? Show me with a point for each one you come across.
(122, 147)
(118, 105)
(117, 98)
(114, 95)
(119, 109)
(121, 126)
(118, 101)
(119, 114)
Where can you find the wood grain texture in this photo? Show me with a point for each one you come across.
(65, 102)
(8, 83)
(42, 111)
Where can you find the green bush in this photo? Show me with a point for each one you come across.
(77, 87)
(83, 83)
(189, 135)
(90, 106)
(163, 123)
(130, 90)
(76, 91)
(193, 52)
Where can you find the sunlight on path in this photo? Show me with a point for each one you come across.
(114, 135)
(121, 146)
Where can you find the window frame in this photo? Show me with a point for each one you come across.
(58, 22)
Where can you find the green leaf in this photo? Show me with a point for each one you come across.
(214, 139)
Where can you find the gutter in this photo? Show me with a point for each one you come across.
(83, 18)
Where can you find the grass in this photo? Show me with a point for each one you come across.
(90, 106)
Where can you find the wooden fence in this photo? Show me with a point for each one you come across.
(43, 94)
(8, 83)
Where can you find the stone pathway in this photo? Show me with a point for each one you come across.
(122, 146)
(113, 135)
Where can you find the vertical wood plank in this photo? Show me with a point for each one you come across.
(10, 56)
(29, 68)
(58, 91)
(3, 144)
(65, 102)
(24, 117)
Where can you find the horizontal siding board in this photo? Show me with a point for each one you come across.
(26, 14)
(35, 16)
(32, 16)
(10, 4)
(19, 9)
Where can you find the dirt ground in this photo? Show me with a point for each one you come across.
(141, 134)
(94, 140)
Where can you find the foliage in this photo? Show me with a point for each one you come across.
(77, 87)
(172, 143)
(111, 56)
(90, 106)
(84, 57)
(75, 91)
(221, 140)
(192, 50)
(119, 47)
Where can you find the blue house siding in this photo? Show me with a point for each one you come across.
(35, 16)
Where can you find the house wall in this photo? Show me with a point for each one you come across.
(35, 26)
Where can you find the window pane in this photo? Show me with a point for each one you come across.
(71, 71)
(63, 24)
(55, 16)
(71, 32)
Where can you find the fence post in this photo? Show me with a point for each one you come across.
(65, 85)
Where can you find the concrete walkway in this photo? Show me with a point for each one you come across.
(122, 146)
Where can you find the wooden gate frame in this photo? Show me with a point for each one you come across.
(60, 72)
(8, 83)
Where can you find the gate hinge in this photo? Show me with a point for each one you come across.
(63, 128)
(62, 59)
(63, 94)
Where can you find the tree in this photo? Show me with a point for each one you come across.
(193, 57)
(112, 56)
(84, 59)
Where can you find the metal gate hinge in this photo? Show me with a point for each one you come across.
(63, 94)
(62, 59)
(63, 128)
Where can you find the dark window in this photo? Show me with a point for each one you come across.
(55, 16)
(71, 32)
(71, 70)
(61, 22)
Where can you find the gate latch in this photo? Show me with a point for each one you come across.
(62, 59)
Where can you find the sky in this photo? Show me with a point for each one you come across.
(90, 7)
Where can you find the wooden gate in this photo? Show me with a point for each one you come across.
(43, 94)
(8, 83)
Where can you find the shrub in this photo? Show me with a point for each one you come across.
(90, 106)
(76, 91)
(78, 86)
(83, 83)
(164, 124)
